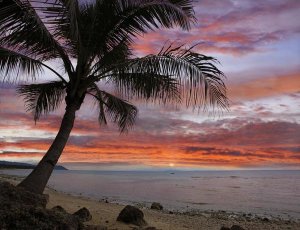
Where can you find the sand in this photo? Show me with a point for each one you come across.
(106, 213)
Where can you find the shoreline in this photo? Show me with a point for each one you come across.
(105, 213)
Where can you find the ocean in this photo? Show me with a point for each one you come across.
(257, 192)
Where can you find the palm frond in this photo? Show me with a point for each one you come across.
(200, 80)
(149, 86)
(119, 54)
(13, 63)
(110, 23)
(65, 22)
(42, 98)
(96, 93)
(22, 27)
(118, 110)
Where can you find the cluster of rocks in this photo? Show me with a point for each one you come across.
(21, 209)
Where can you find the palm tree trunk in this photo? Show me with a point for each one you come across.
(36, 181)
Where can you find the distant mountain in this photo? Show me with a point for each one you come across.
(18, 165)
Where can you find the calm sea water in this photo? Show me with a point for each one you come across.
(259, 192)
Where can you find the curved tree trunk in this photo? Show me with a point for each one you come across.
(36, 181)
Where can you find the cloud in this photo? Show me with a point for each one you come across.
(292, 149)
(160, 138)
(233, 28)
(265, 87)
(193, 149)
(255, 41)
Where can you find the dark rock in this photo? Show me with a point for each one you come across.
(83, 214)
(224, 228)
(236, 227)
(58, 209)
(170, 212)
(144, 228)
(132, 215)
(21, 209)
(37, 218)
(17, 195)
(266, 219)
(156, 206)
(95, 227)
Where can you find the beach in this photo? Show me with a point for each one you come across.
(105, 214)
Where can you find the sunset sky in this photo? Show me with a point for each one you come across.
(258, 45)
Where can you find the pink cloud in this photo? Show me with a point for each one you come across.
(231, 27)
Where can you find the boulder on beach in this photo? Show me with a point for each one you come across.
(21, 209)
(58, 208)
(224, 228)
(233, 227)
(236, 227)
(145, 228)
(17, 195)
(83, 214)
(156, 206)
(95, 227)
(132, 215)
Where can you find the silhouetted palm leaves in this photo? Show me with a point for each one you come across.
(98, 35)
(43, 98)
(15, 63)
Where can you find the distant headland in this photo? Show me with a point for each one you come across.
(19, 165)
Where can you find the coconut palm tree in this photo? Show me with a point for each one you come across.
(92, 41)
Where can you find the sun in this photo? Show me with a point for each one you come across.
(171, 164)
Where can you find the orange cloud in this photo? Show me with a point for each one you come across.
(246, 144)
(265, 87)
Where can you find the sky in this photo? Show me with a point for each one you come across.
(258, 45)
